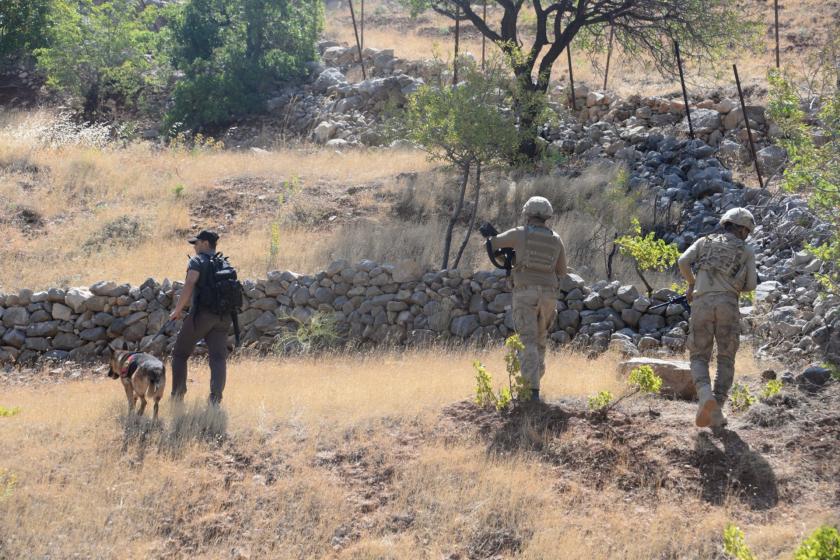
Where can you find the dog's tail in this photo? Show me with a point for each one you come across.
(159, 381)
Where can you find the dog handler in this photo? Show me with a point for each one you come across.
(200, 323)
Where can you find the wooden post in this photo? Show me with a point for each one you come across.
(362, 26)
(571, 75)
(747, 122)
(685, 93)
(609, 55)
(358, 43)
(776, 10)
(457, 39)
(483, 38)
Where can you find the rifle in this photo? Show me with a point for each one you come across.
(679, 300)
(507, 254)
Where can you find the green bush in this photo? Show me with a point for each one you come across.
(234, 53)
(813, 167)
(773, 387)
(9, 411)
(647, 252)
(100, 51)
(599, 402)
(734, 545)
(741, 398)
(823, 544)
(318, 333)
(23, 27)
(518, 389)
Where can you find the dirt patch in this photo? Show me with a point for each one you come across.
(653, 452)
(239, 204)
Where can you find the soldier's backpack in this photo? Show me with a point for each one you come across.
(220, 291)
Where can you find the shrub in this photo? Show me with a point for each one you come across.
(734, 545)
(741, 398)
(235, 53)
(100, 51)
(518, 389)
(641, 380)
(772, 388)
(23, 27)
(600, 401)
(9, 411)
(823, 544)
(812, 168)
(648, 253)
(319, 332)
(8, 481)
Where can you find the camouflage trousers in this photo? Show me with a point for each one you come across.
(534, 311)
(714, 318)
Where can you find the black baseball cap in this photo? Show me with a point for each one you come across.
(205, 235)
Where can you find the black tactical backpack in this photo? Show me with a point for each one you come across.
(220, 291)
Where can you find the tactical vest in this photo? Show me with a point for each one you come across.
(722, 254)
(536, 266)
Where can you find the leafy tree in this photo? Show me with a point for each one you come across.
(647, 252)
(23, 26)
(99, 51)
(813, 168)
(704, 28)
(234, 53)
(465, 127)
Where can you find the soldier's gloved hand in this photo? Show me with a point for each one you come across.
(689, 293)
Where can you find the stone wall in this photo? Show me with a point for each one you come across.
(377, 304)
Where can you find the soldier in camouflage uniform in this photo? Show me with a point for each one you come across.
(725, 267)
(540, 262)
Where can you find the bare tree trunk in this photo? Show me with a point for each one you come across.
(473, 216)
(648, 287)
(456, 213)
(610, 258)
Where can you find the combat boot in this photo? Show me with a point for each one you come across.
(535, 395)
(707, 408)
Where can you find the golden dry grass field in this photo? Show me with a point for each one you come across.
(373, 457)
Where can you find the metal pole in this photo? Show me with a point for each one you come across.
(483, 38)
(685, 93)
(362, 26)
(457, 39)
(358, 43)
(776, 10)
(609, 55)
(747, 122)
(571, 75)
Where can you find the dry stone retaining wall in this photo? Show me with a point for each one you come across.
(372, 303)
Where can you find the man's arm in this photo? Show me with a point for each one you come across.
(509, 239)
(751, 280)
(684, 263)
(561, 268)
(186, 294)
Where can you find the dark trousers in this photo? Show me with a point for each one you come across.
(214, 330)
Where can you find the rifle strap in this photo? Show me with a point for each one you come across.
(235, 317)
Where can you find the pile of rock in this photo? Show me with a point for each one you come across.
(369, 302)
(717, 123)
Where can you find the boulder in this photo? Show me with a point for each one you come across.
(464, 326)
(676, 376)
(76, 298)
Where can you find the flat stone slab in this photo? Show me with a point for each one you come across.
(676, 376)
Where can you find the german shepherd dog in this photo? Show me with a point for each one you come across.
(142, 375)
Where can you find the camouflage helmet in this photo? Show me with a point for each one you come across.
(538, 207)
(739, 217)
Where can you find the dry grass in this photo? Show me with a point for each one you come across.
(326, 458)
(75, 191)
(804, 25)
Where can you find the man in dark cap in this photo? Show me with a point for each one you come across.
(200, 323)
